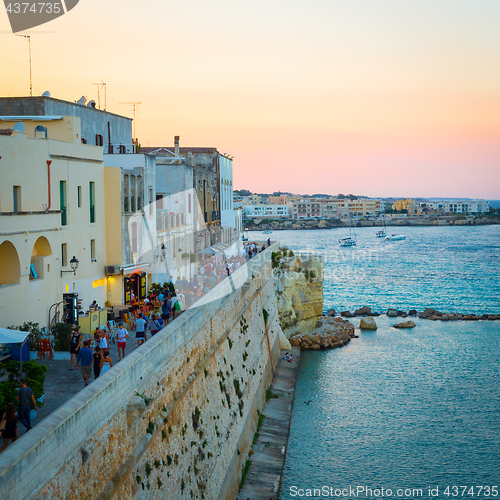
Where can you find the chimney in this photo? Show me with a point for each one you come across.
(176, 142)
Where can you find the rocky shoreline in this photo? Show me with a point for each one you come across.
(428, 313)
(294, 224)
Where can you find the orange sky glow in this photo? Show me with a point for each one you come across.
(381, 98)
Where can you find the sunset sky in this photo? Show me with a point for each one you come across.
(381, 98)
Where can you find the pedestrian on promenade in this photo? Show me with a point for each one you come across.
(177, 307)
(166, 310)
(74, 345)
(140, 326)
(25, 396)
(106, 362)
(155, 324)
(97, 362)
(85, 359)
(10, 431)
(122, 336)
(104, 340)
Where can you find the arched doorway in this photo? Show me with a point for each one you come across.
(10, 267)
(41, 249)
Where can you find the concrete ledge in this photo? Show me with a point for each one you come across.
(263, 479)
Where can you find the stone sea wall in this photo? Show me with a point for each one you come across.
(175, 419)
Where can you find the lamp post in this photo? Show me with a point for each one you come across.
(74, 266)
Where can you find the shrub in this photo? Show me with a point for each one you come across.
(185, 255)
(61, 333)
(33, 373)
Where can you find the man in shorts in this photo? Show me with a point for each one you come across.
(85, 359)
(122, 335)
(140, 326)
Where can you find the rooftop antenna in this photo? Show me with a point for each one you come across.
(29, 48)
(135, 105)
(101, 85)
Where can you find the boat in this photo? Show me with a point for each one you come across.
(268, 231)
(349, 241)
(396, 237)
(383, 232)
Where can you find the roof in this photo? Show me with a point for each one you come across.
(8, 336)
(170, 150)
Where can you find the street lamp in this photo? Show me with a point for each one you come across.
(74, 266)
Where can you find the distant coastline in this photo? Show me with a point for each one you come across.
(298, 224)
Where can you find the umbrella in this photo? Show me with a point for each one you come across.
(14, 337)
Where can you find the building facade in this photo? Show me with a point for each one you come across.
(265, 210)
(52, 208)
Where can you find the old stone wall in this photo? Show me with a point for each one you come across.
(174, 419)
(299, 288)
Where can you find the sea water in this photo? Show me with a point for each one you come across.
(401, 413)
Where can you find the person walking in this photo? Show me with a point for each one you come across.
(25, 396)
(104, 340)
(140, 326)
(10, 431)
(85, 359)
(122, 336)
(106, 362)
(165, 310)
(97, 356)
(74, 345)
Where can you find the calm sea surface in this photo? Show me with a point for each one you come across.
(399, 409)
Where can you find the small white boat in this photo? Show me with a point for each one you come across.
(347, 242)
(350, 241)
(268, 231)
(396, 237)
(381, 234)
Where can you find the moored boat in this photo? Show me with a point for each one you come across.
(396, 237)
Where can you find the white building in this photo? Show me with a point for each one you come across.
(266, 210)
(459, 207)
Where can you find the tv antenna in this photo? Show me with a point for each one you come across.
(29, 49)
(135, 105)
(100, 85)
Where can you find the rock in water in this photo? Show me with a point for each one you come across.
(330, 313)
(347, 314)
(367, 324)
(405, 324)
(363, 311)
(392, 313)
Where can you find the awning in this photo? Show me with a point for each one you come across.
(12, 336)
(218, 247)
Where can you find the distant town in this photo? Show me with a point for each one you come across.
(284, 210)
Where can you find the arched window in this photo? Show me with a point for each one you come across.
(10, 267)
(41, 249)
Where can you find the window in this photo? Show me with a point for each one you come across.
(92, 201)
(99, 140)
(159, 201)
(150, 201)
(132, 204)
(62, 203)
(122, 150)
(64, 254)
(139, 203)
(79, 195)
(97, 283)
(125, 203)
(17, 198)
(92, 250)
